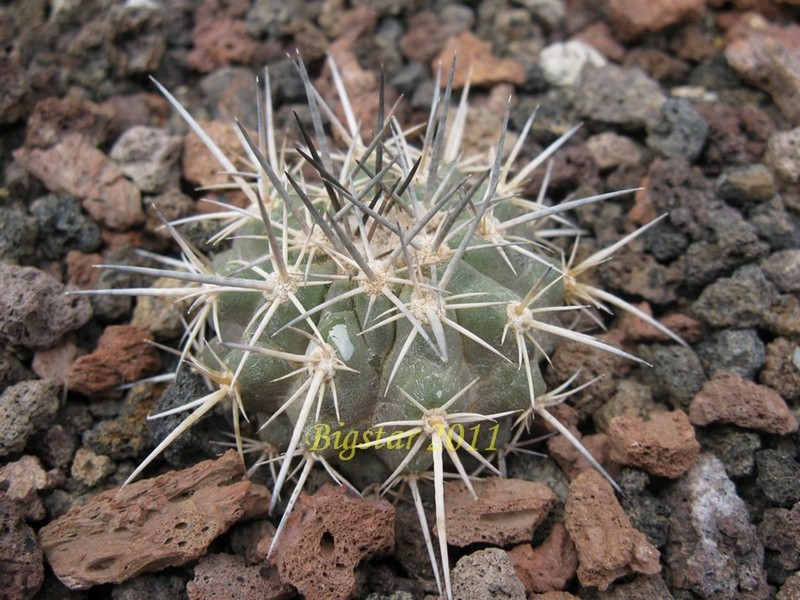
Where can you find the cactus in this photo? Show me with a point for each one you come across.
(382, 308)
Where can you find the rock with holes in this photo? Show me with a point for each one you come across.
(507, 511)
(152, 524)
(228, 577)
(326, 536)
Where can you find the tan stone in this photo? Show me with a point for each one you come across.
(550, 566)
(665, 445)
(728, 398)
(608, 546)
(325, 538)
(477, 63)
(152, 524)
(507, 511)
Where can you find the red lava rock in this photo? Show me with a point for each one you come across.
(598, 36)
(665, 445)
(325, 538)
(199, 165)
(152, 524)
(54, 362)
(608, 546)
(728, 398)
(122, 356)
(768, 57)
(361, 85)
(22, 479)
(53, 119)
(34, 311)
(550, 566)
(81, 274)
(227, 577)
(76, 167)
(573, 463)
(220, 42)
(631, 19)
(21, 562)
(635, 330)
(424, 39)
(507, 511)
(476, 62)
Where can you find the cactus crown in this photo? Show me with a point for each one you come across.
(383, 307)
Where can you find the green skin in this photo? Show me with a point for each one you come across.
(501, 385)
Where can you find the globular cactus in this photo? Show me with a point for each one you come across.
(383, 307)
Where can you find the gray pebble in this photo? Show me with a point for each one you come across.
(617, 96)
(677, 373)
(783, 269)
(736, 350)
(778, 476)
(26, 408)
(63, 226)
(485, 575)
(678, 131)
(149, 156)
(18, 233)
(742, 300)
(34, 309)
(733, 446)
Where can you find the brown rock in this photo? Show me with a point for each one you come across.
(550, 566)
(53, 119)
(768, 57)
(90, 468)
(635, 330)
(573, 463)
(630, 18)
(76, 167)
(665, 445)
(728, 398)
(152, 524)
(780, 371)
(123, 355)
(598, 36)
(552, 596)
(22, 479)
(608, 546)
(220, 42)
(507, 511)
(476, 62)
(54, 362)
(14, 90)
(21, 562)
(790, 590)
(227, 576)
(424, 38)
(34, 310)
(81, 274)
(325, 538)
(199, 165)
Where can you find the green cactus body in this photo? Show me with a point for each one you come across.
(398, 302)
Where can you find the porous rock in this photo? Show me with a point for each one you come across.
(713, 549)
(486, 575)
(476, 61)
(507, 511)
(783, 150)
(782, 371)
(26, 408)
(549, 566)
(331, 532)
(665, 445)
(227, 577)
(607, 544)
(21, 563)
(631, 19)
(779, 530)
(22, 479)
(123, 355)
(76, 167)
(149, 156)
(34, 311)
(151, 524)
(728, 398)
